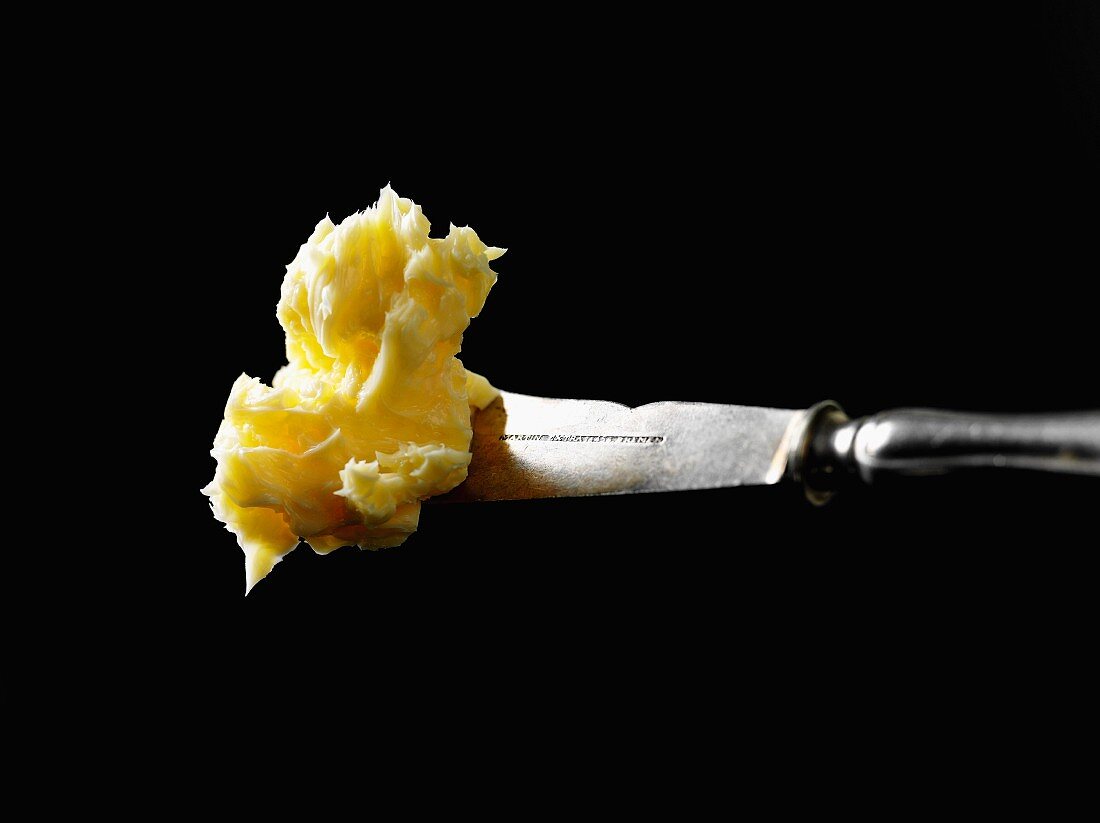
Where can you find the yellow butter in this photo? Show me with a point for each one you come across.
(371, 414)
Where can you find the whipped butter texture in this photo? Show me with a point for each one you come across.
(371, 414)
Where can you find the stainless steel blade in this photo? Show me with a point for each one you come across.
(526, 447)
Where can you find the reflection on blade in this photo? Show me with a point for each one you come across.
(527, 447)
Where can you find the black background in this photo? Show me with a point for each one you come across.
(882, 210)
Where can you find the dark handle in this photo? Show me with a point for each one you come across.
(833, 450)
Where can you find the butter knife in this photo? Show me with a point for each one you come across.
(532, 447)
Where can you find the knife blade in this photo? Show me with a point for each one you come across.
(529, 447)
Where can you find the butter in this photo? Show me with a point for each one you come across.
(371, 414)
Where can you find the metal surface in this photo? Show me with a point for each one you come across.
(527, 447)
(804, 465)
(913, 442)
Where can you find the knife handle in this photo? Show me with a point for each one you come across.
(832, 450)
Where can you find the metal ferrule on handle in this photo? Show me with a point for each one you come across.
(830, 450)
